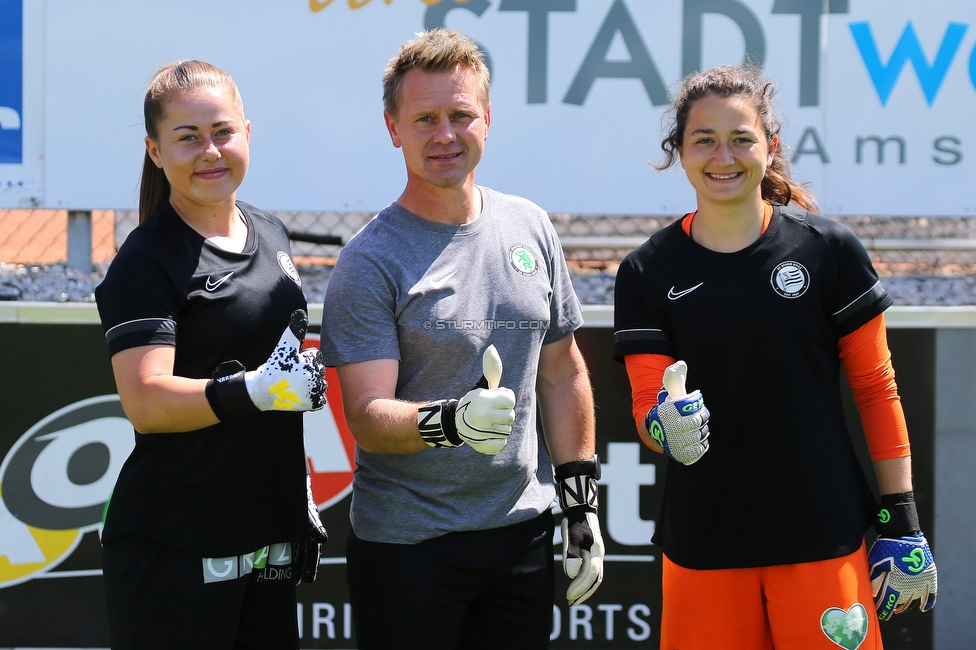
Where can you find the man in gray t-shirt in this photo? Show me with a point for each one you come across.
(454, 487)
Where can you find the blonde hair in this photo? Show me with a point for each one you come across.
(173, 79)
(435, 50)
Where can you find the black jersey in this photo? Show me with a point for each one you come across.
(239, 485)
(759, 329)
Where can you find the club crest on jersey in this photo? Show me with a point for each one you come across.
(523, 260)
(790, 279)
(284, 261)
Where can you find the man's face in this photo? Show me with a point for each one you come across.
(441, 127)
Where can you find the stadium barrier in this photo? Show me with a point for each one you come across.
(64, 437)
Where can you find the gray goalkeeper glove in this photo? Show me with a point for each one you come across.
(582, 541)
(292, 379)
(482, 418)
(679, 422)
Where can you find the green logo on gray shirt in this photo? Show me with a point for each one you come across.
(523, 259)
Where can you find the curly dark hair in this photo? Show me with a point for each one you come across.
(729, 81)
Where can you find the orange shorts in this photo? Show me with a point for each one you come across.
(813, 605)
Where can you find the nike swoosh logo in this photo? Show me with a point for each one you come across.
(440, 282)
(212, 285)
(674, 295)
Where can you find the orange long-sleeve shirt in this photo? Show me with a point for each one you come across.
(867, 365)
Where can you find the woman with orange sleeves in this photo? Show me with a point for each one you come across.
(765, 302)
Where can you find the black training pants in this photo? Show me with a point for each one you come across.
(490, 589)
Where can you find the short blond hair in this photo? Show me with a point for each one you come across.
(435, 50)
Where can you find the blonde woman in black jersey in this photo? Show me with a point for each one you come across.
(210, 524)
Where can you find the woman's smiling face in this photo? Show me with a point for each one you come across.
(724, 150)
(202, 147)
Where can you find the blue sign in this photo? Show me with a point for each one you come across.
(11, 81)
(907, 50)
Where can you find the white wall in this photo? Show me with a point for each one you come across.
(566, 131)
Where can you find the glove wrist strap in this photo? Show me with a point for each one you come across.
(437, 425)
(227, 392)
(576, 484)
(897, 516)
(590, 467)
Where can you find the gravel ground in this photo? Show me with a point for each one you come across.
(56, 283)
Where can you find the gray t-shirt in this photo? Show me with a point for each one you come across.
(435, 296)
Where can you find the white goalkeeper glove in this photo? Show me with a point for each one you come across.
(576, 484)
(900, 561)
(482, 418)
(291, 379)
(679, 422)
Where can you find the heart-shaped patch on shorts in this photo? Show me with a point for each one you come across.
(846, 629)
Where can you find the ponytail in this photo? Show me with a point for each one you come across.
(153, 189)
(779, 187)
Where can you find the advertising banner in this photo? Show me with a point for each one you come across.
(64, 436)
(874, 96)
(21, 103)
(11, 82)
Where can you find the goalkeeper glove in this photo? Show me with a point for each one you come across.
(679, 422)
(582, 541)
(291, 379)
(900, 561)
(307, 553)
(482, 418)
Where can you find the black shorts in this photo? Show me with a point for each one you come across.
(474, 590)
(159, 597)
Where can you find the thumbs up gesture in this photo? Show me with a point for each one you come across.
(291, 379)
(484, 416)
(679, 422)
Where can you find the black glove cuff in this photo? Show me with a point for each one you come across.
(437, 425)
(576, 484)
(897, 516)
(590, 467)
(227, 392)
